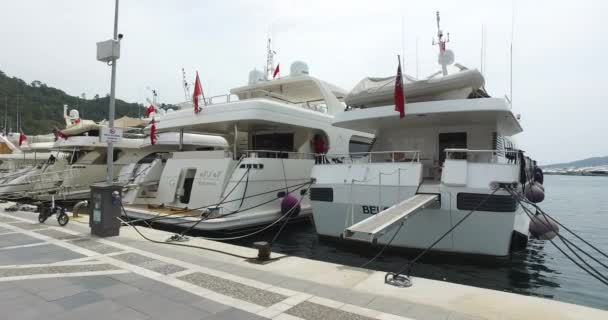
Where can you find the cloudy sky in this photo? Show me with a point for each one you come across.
(559, 75)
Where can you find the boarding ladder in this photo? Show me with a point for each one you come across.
(373, 227)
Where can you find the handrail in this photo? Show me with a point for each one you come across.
(395, 156)
(509, 154)
(255, 154)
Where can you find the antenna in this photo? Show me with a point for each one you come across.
(269, 60)
(445, 58)
(186, 85)
(511, 52)
(402, 41)
(481, 53)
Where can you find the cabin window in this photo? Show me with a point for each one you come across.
(358, 147)
(452, 140)
(273, 141)
(186, 185)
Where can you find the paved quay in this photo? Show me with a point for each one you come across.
(52, 272)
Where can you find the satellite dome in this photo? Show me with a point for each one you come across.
(298, 68)
(255, 76)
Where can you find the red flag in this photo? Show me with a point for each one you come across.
(276, 71)
(77, 121)
(442, 45)
(399, 96)
(149, 110)
(22, 138)
(153, 132)
(198, 90)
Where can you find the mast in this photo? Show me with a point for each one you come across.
(269, 61)
(5, 115)
(186, 85)
(441, 41)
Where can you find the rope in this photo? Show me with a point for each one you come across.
(407, 267)
(383, 248)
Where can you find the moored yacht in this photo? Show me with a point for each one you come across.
(428, 170)
(270, 126)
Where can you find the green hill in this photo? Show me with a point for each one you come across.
(41, 106)
(589, 162)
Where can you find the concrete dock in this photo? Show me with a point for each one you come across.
(52, 272)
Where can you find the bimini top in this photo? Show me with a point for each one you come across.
(373, 92)
(291, 89)
(487, 111)
(171, 139)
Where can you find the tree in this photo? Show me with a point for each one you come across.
(97, 96)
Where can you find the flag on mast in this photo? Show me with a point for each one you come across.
(22, 138)
(276, 71)
(198, 90)
(59, 134)
(153, 132)
(399, 95)
(149, 110)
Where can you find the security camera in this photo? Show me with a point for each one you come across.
(120, 35)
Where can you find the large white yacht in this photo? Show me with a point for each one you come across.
(270, 125)
(427, 170)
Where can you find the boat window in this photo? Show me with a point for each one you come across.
(452, 140)
(149, 158)
(358, 147)
(273, 142)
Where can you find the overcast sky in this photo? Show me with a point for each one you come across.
(559, 73)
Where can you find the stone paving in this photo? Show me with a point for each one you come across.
(50, 272)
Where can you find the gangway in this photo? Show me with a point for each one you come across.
(374, 226)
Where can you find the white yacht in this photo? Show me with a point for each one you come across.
(269, 125)
(428, 170)
(69, 177)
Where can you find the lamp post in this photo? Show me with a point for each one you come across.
(109, 52)
(110, 178)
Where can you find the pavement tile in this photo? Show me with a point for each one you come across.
(59, 235)
(37, 255)
(78, 300)
(59, 292)
(16, 239)
(12, 272)
(234, 289)
(94, 245)
(93, 283)
(312, 311)
(234, 314)
(198, 302)
(160, 307)
(149, 263)
(29, 225)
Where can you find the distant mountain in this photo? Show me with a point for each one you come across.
(589, 162)
(41, 106)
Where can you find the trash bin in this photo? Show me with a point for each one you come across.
(105, 209)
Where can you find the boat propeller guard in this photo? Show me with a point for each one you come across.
(398, 280)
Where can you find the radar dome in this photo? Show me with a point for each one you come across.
(298, 68)
(74, 114)
(255, 76)
(447, 56)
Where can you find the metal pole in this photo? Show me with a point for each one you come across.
(236, 134)
(110, 160)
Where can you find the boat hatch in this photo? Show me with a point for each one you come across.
(376, 225)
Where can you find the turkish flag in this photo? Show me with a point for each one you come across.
(59, 134)
(198, 90)
(153, 132)
(276, 71)
(22, 138)
(149, 110)
(399, 96)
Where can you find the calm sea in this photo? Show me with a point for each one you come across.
(580, 203)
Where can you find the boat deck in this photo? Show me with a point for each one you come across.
(53, 272)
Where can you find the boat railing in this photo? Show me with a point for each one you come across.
(483, 156)
(275, 154)
(53, 176)
(373, 157)
(310, 105)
